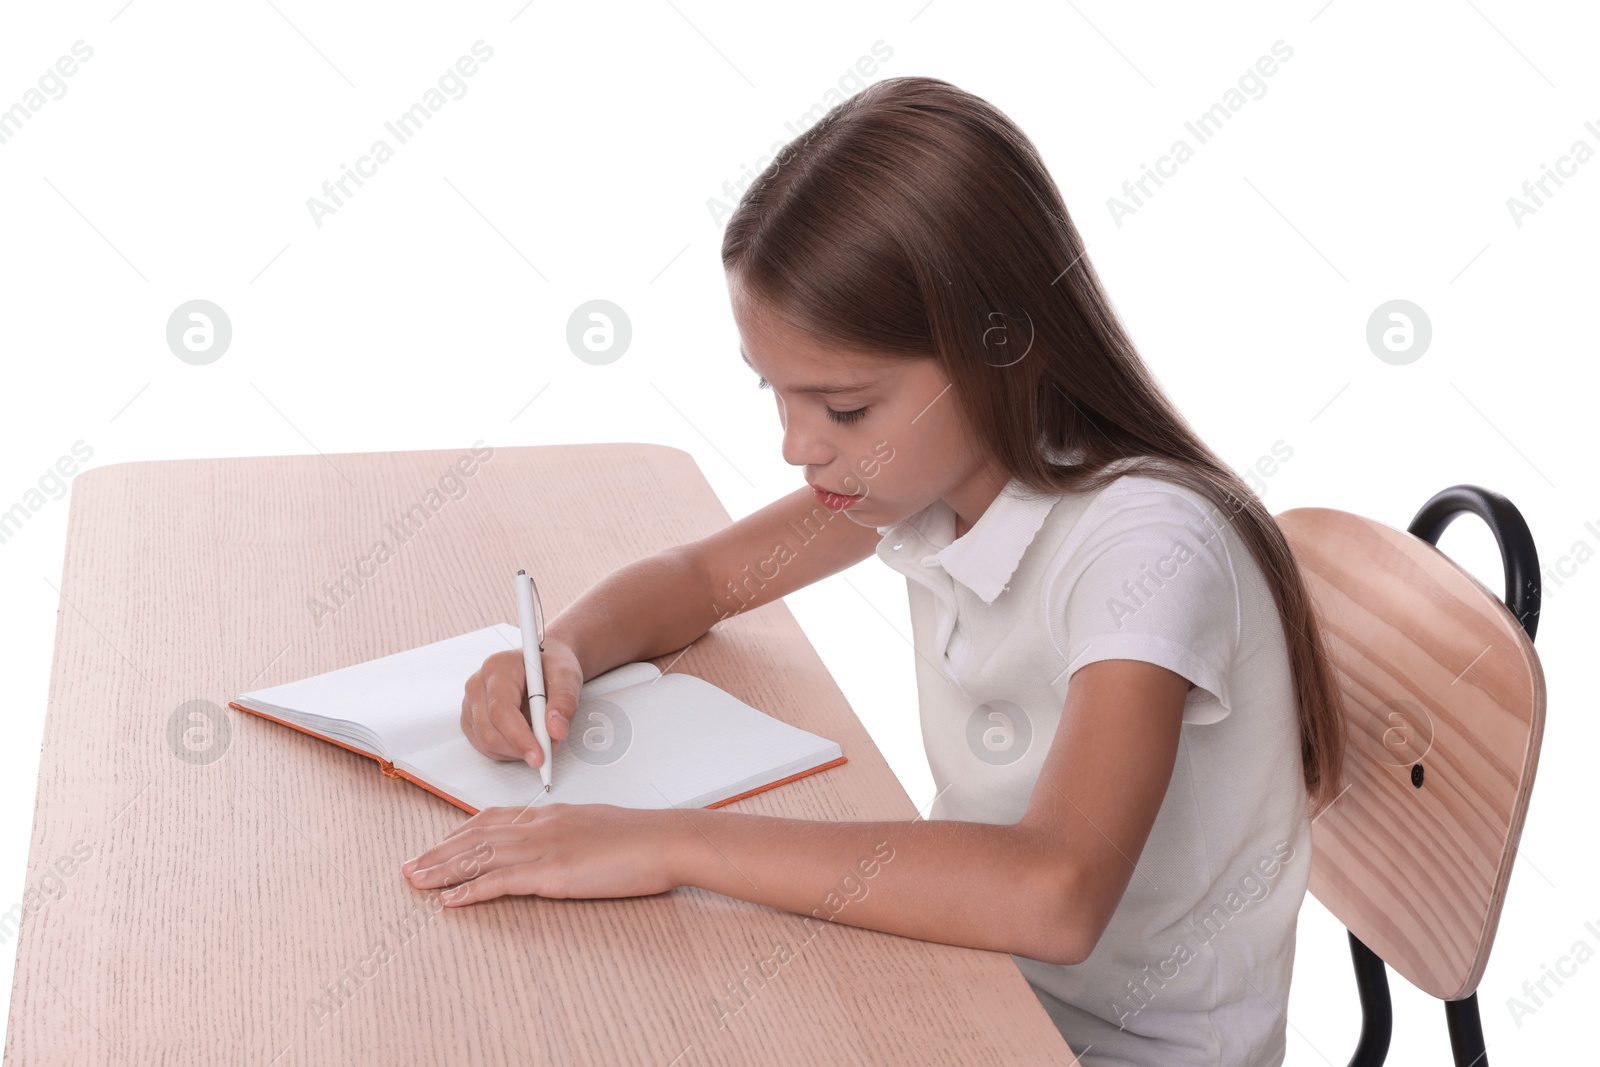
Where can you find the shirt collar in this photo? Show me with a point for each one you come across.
(985, 557)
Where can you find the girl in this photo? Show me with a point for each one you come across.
(1123, 691)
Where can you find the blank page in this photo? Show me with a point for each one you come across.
(677, 741)
(640, 739)
(407, 701)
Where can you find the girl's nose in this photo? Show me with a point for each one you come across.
(801, 447)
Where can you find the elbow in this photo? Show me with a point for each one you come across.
(1069, 922)
(1065, 947)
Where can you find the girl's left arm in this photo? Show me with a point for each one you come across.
(982, 885)
(1043, 887)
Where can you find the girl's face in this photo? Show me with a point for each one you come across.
(884, 430)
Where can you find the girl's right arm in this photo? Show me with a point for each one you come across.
(654, 606)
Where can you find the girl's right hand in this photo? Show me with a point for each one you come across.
(494, 712)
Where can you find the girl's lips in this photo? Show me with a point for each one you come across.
(835, 501)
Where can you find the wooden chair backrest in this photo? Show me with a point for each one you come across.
(1436, 674)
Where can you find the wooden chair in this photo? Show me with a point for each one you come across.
(1444, 702)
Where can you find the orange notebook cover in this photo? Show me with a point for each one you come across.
(639, 738)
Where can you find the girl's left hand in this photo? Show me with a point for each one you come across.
(553, 850)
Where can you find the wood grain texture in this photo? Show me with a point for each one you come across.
(1435, 671)
(237, 878)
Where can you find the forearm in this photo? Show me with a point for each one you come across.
(979, 885)
(644, 609)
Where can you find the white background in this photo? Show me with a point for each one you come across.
(431, 308)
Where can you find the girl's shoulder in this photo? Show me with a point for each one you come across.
(1149, 495)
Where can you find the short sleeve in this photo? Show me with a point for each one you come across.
(1148, 575)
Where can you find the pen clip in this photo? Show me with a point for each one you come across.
(538, 614)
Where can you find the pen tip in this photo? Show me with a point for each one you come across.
(547, 789)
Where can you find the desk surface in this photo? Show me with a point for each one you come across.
(207, 887)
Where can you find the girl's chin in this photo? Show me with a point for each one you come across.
(870, 512)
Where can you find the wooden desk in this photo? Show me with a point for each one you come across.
(230, 893)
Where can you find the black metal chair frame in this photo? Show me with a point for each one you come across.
(1520, 560)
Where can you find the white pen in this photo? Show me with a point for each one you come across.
(533, 666)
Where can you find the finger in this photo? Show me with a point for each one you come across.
(559, 715)
(472, 697)
(523, 878)
(452, 852)
(488, 740)
(473, 832)
(460, 868)
(506, 711)
(470, 854)
(562, 688)
(507, 716)
(476, 725)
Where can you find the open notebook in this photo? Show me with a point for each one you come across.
(641, 739)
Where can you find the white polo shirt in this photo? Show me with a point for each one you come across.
(1194, 966)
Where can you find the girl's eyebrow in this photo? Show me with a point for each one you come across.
(824, 389)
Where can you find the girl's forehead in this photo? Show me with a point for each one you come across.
(794, 350)
(767, 334)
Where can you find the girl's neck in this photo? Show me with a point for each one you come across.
(972, 498)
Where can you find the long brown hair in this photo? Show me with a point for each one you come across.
(914, 218)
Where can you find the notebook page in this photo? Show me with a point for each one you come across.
(409, 700)
(678, 741)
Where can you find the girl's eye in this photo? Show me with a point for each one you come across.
(842, 417)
